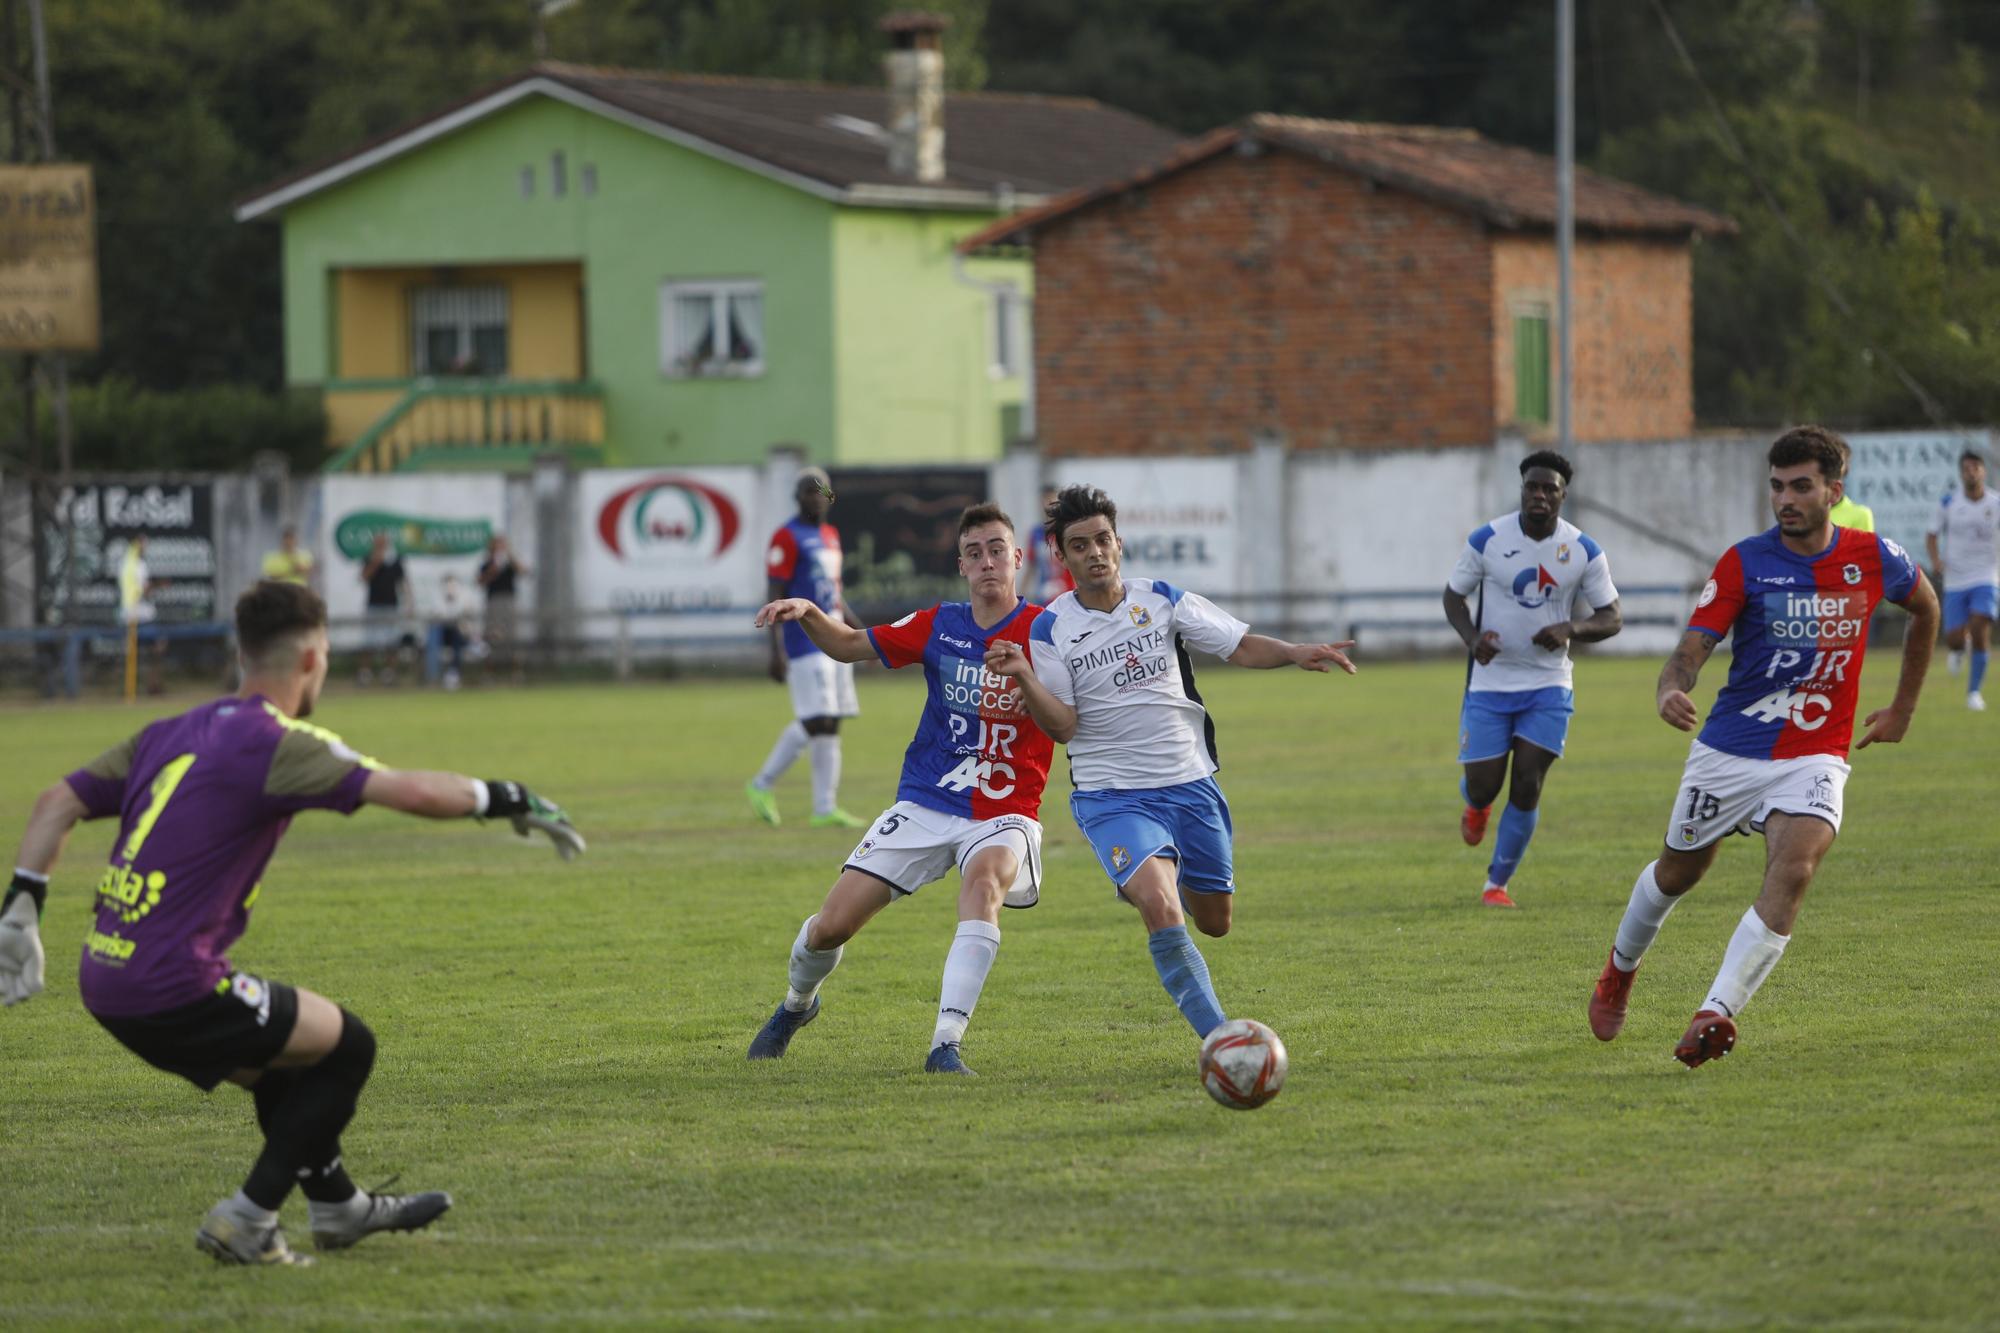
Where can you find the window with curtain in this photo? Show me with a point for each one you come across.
(459, 330)
(1008, 308)
(711, 328)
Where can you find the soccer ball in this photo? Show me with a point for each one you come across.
(1243, 1064)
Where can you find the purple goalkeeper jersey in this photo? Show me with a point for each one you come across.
(202, 800)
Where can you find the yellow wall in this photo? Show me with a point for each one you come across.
(544, 318)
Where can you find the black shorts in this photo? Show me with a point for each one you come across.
(242, 1026)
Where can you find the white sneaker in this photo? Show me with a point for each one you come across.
(1976, 701)
(1951, 660)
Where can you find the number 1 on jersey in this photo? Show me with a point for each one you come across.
(164, 784)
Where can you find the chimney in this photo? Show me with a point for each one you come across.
(915, 66)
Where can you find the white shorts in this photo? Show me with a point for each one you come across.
(1727, 793)
(910, 845)
(821, 687)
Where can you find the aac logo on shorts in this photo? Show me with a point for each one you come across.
(251, 991)
(1120, 858)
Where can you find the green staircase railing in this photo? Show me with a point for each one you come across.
(474, 422)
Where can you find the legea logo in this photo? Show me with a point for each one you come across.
(668, 516)
(411, 534)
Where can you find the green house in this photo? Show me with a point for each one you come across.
(650, 269)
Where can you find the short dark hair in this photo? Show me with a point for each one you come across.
(1073, 504)
(979, 515)
(1551, 460)
(1811, 444)
(271, 612)
(1974, 455)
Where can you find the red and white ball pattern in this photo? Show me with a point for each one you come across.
(1243, 1064)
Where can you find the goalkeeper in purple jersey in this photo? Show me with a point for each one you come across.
(202, 800)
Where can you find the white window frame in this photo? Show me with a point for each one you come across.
(1005, 328)
(464, 307)
(721, 293)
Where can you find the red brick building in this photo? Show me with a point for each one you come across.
(1337, 285)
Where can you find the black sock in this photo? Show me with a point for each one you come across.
(302, 1116)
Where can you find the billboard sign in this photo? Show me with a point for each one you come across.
(669, 541)
(439, 525)
(177, 519)
(899, 534)
(1177, 517)
(48, 259)
(1902, 475)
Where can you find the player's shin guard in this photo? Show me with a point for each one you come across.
(809, 968)
(303, 1121)
(970, 958)
(1977, 674)
(1184, 972)
(1644, 915)
(1517, 826)
(321, 1176)
(1753, 951)
(825, 759)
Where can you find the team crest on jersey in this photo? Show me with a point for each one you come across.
(1562, 554)
(1708, 591)
(1140, 616)
(1852, 573)
(1120, 858)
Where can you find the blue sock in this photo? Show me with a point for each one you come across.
(1977, 674)
(1511, 844)
(1185, 975)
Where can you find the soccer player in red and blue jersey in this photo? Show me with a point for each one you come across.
(970, 796)
(202, 800)
(1772, 758)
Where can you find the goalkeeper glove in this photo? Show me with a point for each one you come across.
(21, 939)
(530, 814)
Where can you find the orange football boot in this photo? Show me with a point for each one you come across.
(1709, 1037)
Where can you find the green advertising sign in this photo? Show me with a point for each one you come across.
(411, 535)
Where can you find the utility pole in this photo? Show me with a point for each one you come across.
(1565, 213)
(58, 364)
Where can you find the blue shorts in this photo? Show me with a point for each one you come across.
(1189, 822)
(1491, 720)
(1963, 604)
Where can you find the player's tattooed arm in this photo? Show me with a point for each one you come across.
(1679, 675)
(842, 642)
(1889, 724)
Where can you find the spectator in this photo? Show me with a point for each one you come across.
(388, 592)
(135, 588)
(497, 577)
(290, 563)
(454, 609)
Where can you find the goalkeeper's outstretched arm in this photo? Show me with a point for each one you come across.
(433, 795)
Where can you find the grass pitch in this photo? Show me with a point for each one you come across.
(562, 1048)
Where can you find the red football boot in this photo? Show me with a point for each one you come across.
(1495, 896)
(1472, 825)
(1710, 1037)
(1607, 1001)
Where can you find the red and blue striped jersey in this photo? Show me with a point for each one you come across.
(1801, 630)
(805, 557)
(977, 754)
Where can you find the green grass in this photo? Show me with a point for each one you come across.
(562, 1047)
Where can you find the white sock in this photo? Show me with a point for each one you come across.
(1643, 918)
(783, 754)
(966, 964)
(1753, 951)
(243, 1210)
(810, 967)
(826, 774)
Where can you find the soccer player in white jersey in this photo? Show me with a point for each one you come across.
(1533, 569)
(970, 795)
(1772, 758)
(1964, 545)
(1111, 679)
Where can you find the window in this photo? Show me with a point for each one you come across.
(711, 328)
(1531, 369)
(527, 182)
(587, 179)
(558, 174)
(459, 330)
(1008, 307)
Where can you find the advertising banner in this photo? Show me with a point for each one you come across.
(899, 534)
(671, 540)
(1178, 517)
(439, 525)
(177, 520)
(1902, 475)
(48, 259)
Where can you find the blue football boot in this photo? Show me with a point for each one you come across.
(944, 1060)
(772, 1039)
